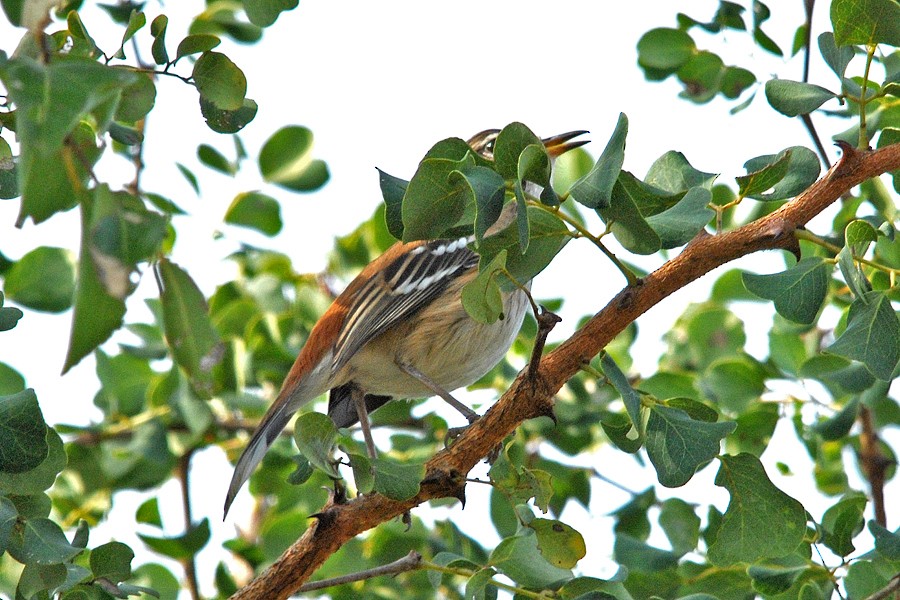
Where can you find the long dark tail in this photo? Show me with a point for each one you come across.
(268, 430)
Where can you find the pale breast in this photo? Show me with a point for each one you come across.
(443, 342)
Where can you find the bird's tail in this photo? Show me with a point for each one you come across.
(308, 378)
(268, 430)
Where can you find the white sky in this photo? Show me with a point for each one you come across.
(379, 83)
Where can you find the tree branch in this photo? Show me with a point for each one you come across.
(873, 462)
(410, 562)
(531, 396)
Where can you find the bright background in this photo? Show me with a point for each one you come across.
(379, 83)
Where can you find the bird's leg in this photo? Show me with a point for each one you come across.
(467, 412)
(359, 400)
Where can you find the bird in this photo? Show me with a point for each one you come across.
(398, 330)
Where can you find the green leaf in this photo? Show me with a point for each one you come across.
(680, 524)
(195, 44)
(392, 190)
(672, 173)
(508, 147)
(733, 382)
(315, 435)
(158, 31)
(136, 21)
(51, 101)
(520, 559)
(23, 433)
(41, 541)
(837, 58)
(840, 424)
(481, 297)
(215, 160)
(123, 233)
(761, 178)
(43, 279)
(397, 481)
(794, 98)
(755, 428)
(594, 189)
(486, 191)
(802, 171)
(627, 223)
(734, 81)
(761, 14)
(887, 544)
(548, 236)
(8, 518)
(304, 471)
(634, 554)
(761, 521)
(798, 293)
(42, 476)
(630, 396)
(678, 446)
(859, 235)
(286, 160)
(220, 81)
(774, 579)
(665, 49)
(257, 211)
(99, 302)
(11, 381)
(864, 22)
(871, 335)
(190, 335)
(38, 578)
(864, 579)
(363, 473)
(228, 121)
(434, 202)
(263, 13)
(678, 225)
(558, 543)
(148, 512)
(842, 522)
(477, 585)
(9, 317)
(182, 546)
(112, 561)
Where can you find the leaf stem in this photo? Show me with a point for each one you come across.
(805, 234)
(582, 231)
(863, 101)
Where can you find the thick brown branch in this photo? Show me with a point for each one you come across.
(532, 396)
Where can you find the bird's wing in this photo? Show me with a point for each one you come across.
(404, 286)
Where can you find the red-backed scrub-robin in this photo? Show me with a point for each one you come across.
(399, 330)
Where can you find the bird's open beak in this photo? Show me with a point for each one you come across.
(562, 143)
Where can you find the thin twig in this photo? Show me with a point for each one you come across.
(874, 463)
(615, 484)
(410, 562)
(807, 51)
(893, 587)
(188, 563)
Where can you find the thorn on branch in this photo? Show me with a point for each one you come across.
(546, 321)
(847, 163)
